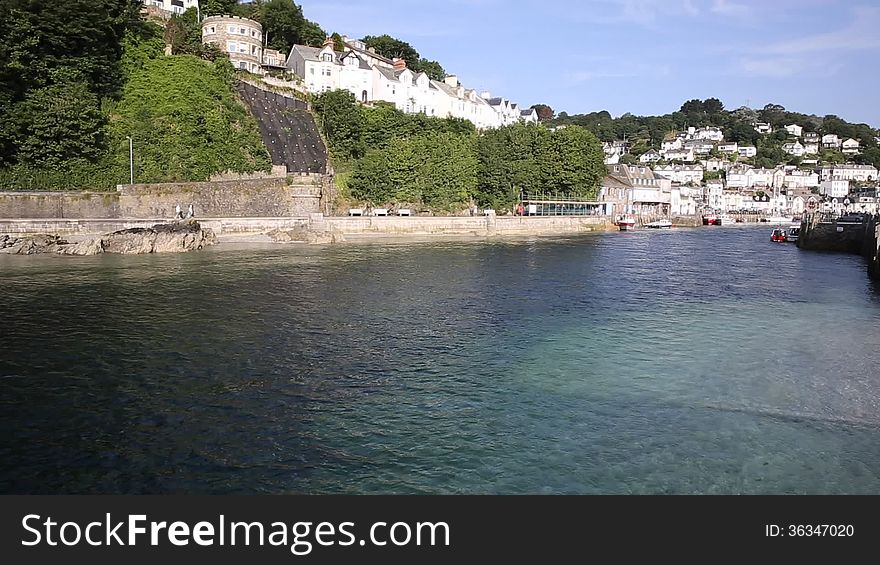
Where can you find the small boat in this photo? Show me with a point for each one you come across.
(778, 235)
(792, 234)
(710, 220)
(625, 223)
(724, 220)
(659, 224)
(777, 219)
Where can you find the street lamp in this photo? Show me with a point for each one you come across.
(130, 160)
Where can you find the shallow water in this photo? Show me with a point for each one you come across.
(683, 361)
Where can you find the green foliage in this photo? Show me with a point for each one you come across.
(218, 7)
(185, 123)
(57, 123)
(342, 122)
(438, 170)
(544, 111)
(394, 48)
(338, 43)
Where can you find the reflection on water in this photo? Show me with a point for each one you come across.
(688, 361)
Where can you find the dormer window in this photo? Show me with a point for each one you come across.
(327, 58)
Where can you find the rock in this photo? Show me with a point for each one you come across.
(86, 247)
(29, 245)
(178, 237)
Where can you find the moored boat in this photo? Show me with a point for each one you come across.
(724, 220)
(659, 224)
(793, 233)
(778, 235)
(710, 220)
(625, 223)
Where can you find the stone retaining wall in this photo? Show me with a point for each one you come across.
(295, 195)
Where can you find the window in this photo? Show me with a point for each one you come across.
(312, 70)
(211, 29)
(327, 57)
(231, 46)
(230, 29)
(242, 65)
(364, 96)
(242, 31)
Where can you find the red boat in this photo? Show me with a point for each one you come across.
(710, 220)
(778, 235)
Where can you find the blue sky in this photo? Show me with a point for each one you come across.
(640, 56)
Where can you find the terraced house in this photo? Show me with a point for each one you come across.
(371, 77)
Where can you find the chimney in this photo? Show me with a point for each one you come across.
(328, 41)
(399, 64)
(451, 80)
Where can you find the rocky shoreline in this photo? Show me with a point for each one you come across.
(177, 237)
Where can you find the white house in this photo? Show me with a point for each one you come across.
(709, 133)
(171, 6)
(830, 141)
(715, 194)
(860, 173)
(760, 177)
(371, 77)
(649, 156)
(730, 147)
(738, 176)
(794, 130)
(795, 149)
(715, 164)
(685, 155)
(731, 200)
(672, 145)
(834, 187)
(811, 147)
(699, 146)
(801, 179)
(682, 174)
(747, 151)
(763, 128)
(850, 146)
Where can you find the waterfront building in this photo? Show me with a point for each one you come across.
(682, 174)
(860, 173)
(715, 194)
(837, 188)
(649, 195)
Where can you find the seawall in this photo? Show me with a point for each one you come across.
(862, 238)
(348, 226)
(295, 195)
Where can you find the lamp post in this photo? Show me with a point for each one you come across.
(130, 160)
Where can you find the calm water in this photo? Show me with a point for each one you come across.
(686, 361)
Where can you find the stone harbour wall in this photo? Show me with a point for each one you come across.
(295, 195)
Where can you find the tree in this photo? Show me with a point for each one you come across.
(338, 43)
(342, 121)
(283, 23)
(218, 7)
(391, 48)
(544, 111)
(432, 68)
(58, 123)
(571, 160)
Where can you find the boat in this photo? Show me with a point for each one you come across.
(793, 233)
(778, 235)
(625, 223)
(710, 220)
(777, 219)
(659, 224)
(724, 220)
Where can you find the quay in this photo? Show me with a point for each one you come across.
(851, 233)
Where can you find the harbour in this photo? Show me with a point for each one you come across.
(655, 361)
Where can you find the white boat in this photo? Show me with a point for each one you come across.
(659, 224)
(724, 220)
(777, 219)
(793, 233)
(625, 223)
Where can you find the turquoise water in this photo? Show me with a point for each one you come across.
(683, 361)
